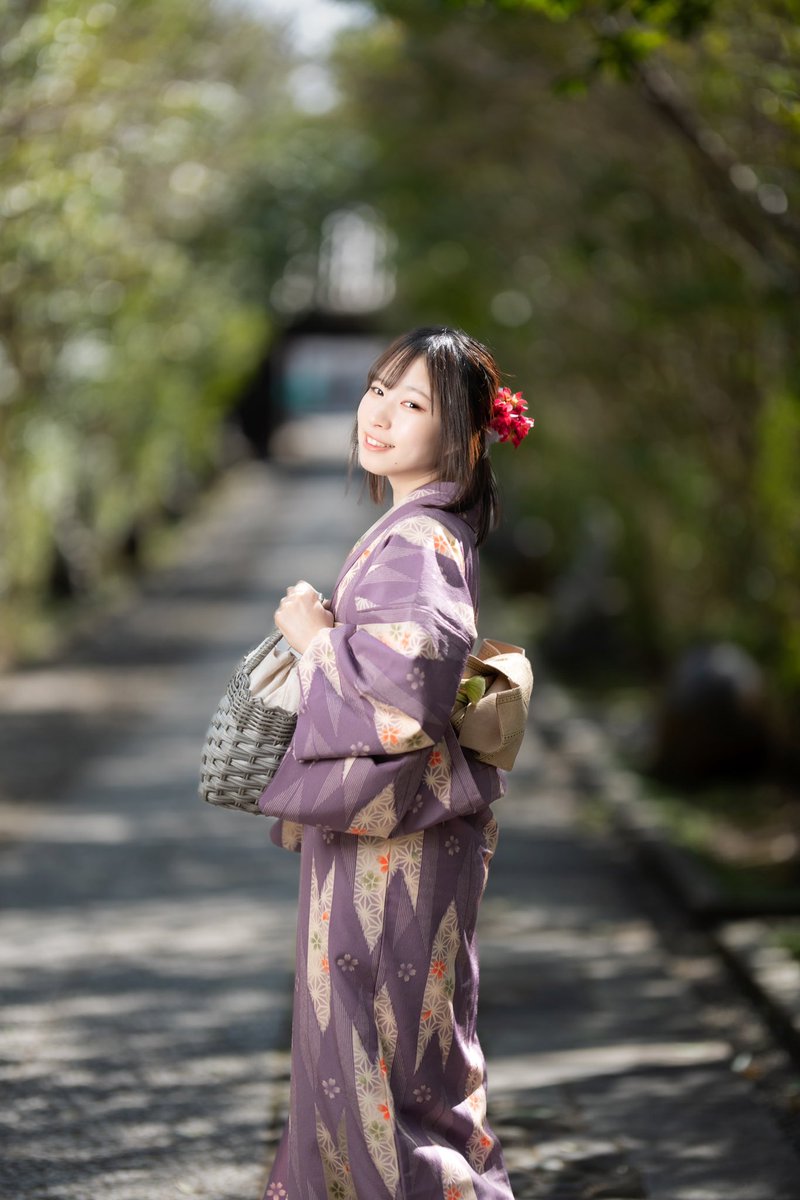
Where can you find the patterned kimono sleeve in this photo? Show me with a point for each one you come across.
(387, 686)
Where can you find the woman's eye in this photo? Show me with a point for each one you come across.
(373, 387)
(411, 402)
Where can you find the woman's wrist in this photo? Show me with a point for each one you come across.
(305, 641)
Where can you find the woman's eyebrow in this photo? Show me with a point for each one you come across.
(409, 387)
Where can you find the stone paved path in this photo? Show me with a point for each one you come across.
(147, 939)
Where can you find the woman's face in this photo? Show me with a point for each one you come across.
(402, 420)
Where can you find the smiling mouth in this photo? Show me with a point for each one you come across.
(371, 441)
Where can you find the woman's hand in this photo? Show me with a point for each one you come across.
(301, 614)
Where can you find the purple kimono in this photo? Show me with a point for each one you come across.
(394, 826)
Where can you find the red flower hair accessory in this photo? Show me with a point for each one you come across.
(509, 421)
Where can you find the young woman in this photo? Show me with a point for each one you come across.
(391, 817)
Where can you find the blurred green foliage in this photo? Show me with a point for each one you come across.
(132, 307)
(609, 198)
(605, 192)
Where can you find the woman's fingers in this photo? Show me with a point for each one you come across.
(300, 595)
(299, 614)
(296, 607)
(303, 586)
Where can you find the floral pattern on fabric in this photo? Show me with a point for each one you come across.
(369, 892)
(320, 655)
(456, 1181)
(395, 832)
(318, 973)
(398, 732)
(491, 833)
(406, 637)
(480, 1141)
(437, 1007)
(406, 857)
(376, 1106)
(339, 1184)
(478, 1147)
(386, 1023)
(378, 817)
(438, 773)
(426, 530)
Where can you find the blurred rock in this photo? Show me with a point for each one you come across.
(711, 720)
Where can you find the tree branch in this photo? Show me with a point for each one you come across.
(763, 230)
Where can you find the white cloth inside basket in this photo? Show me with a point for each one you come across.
(274, 680)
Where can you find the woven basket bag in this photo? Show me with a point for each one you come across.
(245, 741)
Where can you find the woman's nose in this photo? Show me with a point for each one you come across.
(380, 414)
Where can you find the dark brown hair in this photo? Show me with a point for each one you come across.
(464, 380)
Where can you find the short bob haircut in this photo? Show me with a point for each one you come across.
(464, 380)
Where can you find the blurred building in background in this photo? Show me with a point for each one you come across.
(302, 406)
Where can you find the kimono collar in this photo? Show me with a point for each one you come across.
(442, 491)
(430, 495)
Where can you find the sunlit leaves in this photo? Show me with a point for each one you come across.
(618, 33)
(128, 133)
(640, 285)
